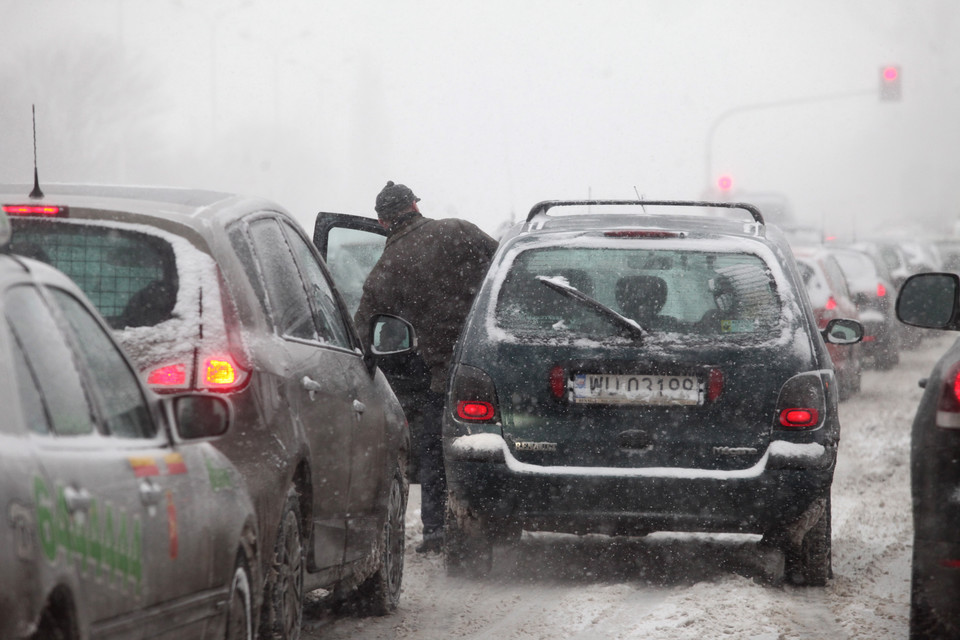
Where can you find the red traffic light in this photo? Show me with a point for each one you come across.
(725, 183)
(890, 78)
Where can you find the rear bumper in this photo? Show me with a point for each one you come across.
(483, 474)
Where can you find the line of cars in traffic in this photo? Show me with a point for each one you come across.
(197, 435)
(206, 446)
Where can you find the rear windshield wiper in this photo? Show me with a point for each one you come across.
(560, 285)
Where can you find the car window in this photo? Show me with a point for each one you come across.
(690, 292)
(51, 360)
(28, 387)
(285, 291)
(131, 278)
(351, 255)
(330, 322)
(122, 405)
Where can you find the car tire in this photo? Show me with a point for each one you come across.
(810, 563)
(924, 623)
(283, 595)
(467, 543)
(379, 594)
(239, 623)
(54, 626)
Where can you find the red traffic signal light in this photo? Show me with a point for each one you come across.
(725, 183)
(890, 76)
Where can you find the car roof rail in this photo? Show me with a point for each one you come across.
(541, 208)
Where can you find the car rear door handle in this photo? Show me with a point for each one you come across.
(311, 386)
(77, 499)
(150, 493)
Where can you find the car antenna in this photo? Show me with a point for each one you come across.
(639, 198)
(36, 193)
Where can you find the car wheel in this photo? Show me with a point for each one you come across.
(924, 623)
(240, 604)
(810, 562)
(283, 597)
(467, 543)
(54, 627)
(379, 594)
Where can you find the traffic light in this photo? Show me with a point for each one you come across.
(890, 77)
(725, 183)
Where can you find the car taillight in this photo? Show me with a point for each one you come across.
(42, 210)
(948, 406)
(793, 418)
(474, 410)
(714, 384)
(802, 402)
(558, 382)
(473, 395)
(881, 290)
(168, 377)
(831, 304)
(221, 373)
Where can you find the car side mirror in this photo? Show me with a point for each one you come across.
(843, 331)
(929, 300)
(199, 415)
(390, 335)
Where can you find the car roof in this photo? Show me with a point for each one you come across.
(159, 206)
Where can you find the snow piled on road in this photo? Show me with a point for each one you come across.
(691, 586)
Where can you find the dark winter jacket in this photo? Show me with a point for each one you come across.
(428, 274)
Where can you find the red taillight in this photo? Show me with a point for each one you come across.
(881, 290)
(831, 304)
(558, 382)
(799, 417)
(714, 384)
(174, 375)
(221, 373)
(950, 564)
(948, 407)
(475, 410)
(48, 211)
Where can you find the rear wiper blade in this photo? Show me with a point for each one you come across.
(560, 286)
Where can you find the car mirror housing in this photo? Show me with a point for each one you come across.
(843, 331)
(199, 415)
(930, 300)
(391, 335)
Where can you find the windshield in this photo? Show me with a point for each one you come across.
(695, 293)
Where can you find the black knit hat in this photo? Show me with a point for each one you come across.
(393, 199)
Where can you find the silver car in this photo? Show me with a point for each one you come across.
(120, 518)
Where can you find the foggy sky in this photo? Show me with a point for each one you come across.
(486, 107)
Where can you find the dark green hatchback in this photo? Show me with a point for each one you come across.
(631, 367)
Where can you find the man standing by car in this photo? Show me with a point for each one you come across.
(428, 274)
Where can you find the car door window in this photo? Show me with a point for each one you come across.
(57, 372)
(287, 297)
(330, 322)
(28, 387)
(351, 255)
(122, 405)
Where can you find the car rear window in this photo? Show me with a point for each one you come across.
(130, 277)
(691, 292)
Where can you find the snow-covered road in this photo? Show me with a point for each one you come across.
(690, 587)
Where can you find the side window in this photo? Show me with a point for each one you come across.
(351, 256)
(121, 401)
(51, 360)
(288, 303)
(28, 386)
(241, 246)
(330, 322)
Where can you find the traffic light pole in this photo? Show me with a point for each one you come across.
(726, 115)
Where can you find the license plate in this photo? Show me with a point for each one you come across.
(603, 388)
